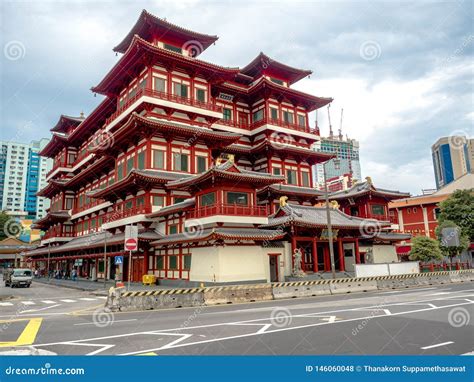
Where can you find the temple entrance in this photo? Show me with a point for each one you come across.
(307, 252)
(137, 269)
(273, 258)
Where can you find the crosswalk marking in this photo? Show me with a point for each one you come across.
(27, 302)
(48, 302)
(87, 299)
(6, 304)
(67, 300)
(102, 297)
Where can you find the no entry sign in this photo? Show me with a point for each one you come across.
(131, 244)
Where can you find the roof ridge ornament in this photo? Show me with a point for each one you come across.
(283, 201)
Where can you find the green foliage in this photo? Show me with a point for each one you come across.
(425, 249)
(459, 209)
(463, 238)
(4, 218)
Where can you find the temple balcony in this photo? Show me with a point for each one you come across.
(123, 215)
(227, 213)
(58, 233)
(58, 166)
(166, 100)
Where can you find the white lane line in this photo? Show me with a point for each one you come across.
(407, 291)
(111, 322)
(87, 299)
(249, 321)
(469, 353)
(437, 345)
(439, 294)
(67, 300)
(27, 302)
(40, 309)
(48, 302)
(6, 304)
(102, 297)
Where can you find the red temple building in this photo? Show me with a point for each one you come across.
(213, 164)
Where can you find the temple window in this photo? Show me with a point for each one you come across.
(301, 120)
(159, 262)
(201, 95)
(227, 114)
(288, 117)
(173, 48)
(159, 84)
(240, 198)
(276, 171)
(180, 162)
(120, 171)
(179, 200)
(180, 89)
(173, 262)
(173, 228)
(291, 177)
(158, 201)
(274, 113)
(186, 262)
(277, 81)
(305, 179)
(201, 164)
(159, 159)
(141, 160)
(130, 165)
(208, 199)
(257, 115)
(378, 209)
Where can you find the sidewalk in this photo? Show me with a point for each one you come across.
(98, 286)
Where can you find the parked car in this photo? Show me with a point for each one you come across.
(15, 277)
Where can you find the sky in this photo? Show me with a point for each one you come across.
(402, 71)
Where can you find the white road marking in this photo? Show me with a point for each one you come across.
(407, 291)
(177, 344)
(40, 309)
(102, 297)
(27, 302)
(67, 300)
(111, 322)
(469, 353)
(6, 304)
(437, 345)
(87, 299)
(439, 294)
(48, 302)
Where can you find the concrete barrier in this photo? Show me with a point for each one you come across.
(158, 299)
(237, 294)
(301, 289)
(351, 286)
(121, 300)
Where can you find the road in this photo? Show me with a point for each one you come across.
(434, 320)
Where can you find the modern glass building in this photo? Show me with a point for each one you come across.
(22, 173)
(453, 157)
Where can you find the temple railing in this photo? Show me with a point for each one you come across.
(228, 209)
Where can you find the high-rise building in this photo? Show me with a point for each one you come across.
(453, 157)
(22, 173)
(347, 150)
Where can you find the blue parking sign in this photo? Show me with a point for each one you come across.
(118, 260)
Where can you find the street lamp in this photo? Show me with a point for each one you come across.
(328, 213)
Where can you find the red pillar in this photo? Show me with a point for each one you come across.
(357, 253)
(327, 261)
(293, 247)
(145, 261)
(342, 266)
(315, 255)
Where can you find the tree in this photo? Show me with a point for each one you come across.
(4, 218)
(425, 249)
(451, 251)
(459, 209)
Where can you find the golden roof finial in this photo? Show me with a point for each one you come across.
(82, 114)
(283, 200)
(368, 179)
(231, 158)
(334, 204)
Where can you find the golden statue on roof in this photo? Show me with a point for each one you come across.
(283, 200)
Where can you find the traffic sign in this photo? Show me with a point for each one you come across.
(131, 244)
(118, 260)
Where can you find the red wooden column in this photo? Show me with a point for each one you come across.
(357, 253)
(293, 247)
(315, 255)
(327, 260)
(145, 261)
(342, 266)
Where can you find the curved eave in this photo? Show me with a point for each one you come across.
(134, 54)
(386, 195)
(214, 174)
(65, 122)
(176, 208)
(213, 236)
(146, 24)
(262, 63)
(211, 137)
(134, 178)
(93, 170)
(56, 143)
(298, 191)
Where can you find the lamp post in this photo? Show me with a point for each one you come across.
(328, 214)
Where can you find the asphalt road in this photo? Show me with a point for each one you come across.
(434, 320)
